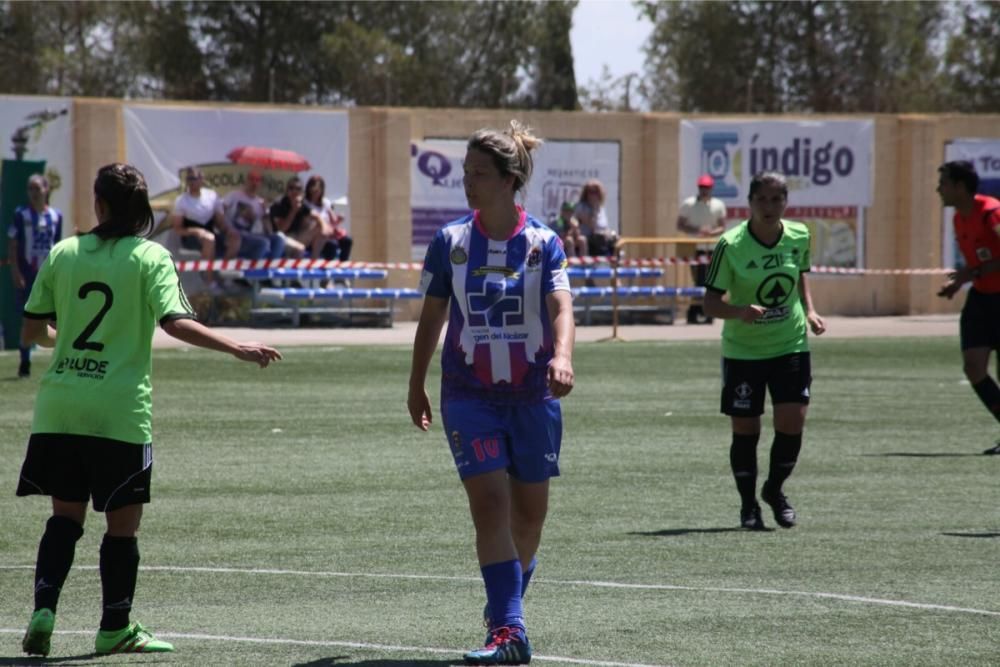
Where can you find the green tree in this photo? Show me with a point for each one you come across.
(173, 65)
(22, 71)
(553, 81)
(459, 54)
(700, 56)
(804, 56)
(262, 51)
(972, 60)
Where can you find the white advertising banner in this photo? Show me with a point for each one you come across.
(984, 154)
(437, 195)
(162, 141)
(826, 163)
(48, 123)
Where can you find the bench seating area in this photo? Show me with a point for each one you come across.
(288, 294)
(644, 302)
(348, 305)
(606, 272)
(635, 304)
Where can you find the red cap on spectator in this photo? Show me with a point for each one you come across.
(706, 181)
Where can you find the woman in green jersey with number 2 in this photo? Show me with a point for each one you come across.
(762, 265)
(91, 437)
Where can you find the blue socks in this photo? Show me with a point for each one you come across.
(526, 575)
(504, 585)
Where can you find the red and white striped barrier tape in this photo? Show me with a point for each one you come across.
(245, 264)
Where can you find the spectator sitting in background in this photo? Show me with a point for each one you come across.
(292, 217)
(568, 229)
(244, 212)
(594, 220)
(338, 243)
(196, 215)
(705, 216)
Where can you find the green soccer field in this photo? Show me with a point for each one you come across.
(299, 519)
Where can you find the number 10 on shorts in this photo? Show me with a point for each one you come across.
(486, 448)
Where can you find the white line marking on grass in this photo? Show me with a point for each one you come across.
(343, 644)
(558, 582)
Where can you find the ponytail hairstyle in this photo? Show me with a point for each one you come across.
(510, 150)
(123, 189)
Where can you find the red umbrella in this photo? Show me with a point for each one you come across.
(269, 158)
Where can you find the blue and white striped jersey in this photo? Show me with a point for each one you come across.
(35, 233)
(499, 341)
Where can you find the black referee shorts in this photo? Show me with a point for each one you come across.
(76, 468)
(744, 381)
(980, 322)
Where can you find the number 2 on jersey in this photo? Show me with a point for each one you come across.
(81, 342)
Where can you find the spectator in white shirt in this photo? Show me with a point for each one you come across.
(701, 215)
(197, 216)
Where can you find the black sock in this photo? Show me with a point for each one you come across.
(743, 461)
(55, 557)
(784, 454)
(119, 568)
(989, 393)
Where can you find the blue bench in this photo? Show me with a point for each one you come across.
(627, 292)
(591, 300)
(315, 274)
(606, 272)
(314, 300)
(304, 300)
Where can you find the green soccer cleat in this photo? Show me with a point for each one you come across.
(38, 638)
(133, 638)
(507, 646)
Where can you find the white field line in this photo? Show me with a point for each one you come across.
(356, 645)
(554, 582)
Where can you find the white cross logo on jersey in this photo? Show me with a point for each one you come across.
(492, 306)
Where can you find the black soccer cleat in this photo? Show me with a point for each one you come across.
(784, 513)
(995, 449)
(24, 370)
(750, 518)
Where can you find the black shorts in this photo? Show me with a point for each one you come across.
(787, 378)
(75, 468)
(980, 323)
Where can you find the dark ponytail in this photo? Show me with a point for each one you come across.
(123, 189)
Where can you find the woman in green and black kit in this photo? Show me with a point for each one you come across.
(762, 265)
(91, 437)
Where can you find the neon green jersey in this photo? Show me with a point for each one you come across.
(106, 298)
(753, 273)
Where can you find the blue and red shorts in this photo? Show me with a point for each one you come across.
(524, 440)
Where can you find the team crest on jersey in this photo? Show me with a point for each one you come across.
(984, 254)
(534, 257)
(458, 256)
